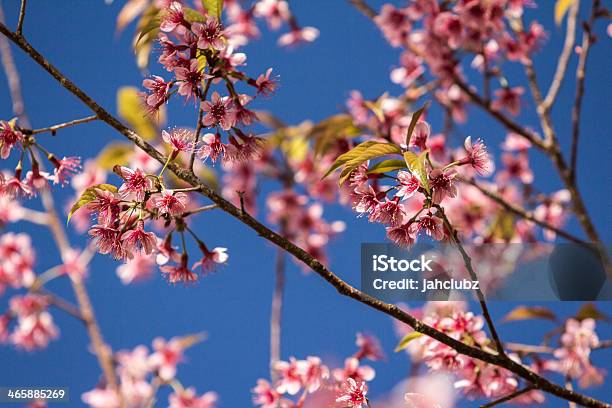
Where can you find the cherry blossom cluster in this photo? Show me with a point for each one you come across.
(123, 214)
(311, 381)
(18, 184)
(474, 378)
(437, 35)
(142, 372)
(411, 209)
(573, 356)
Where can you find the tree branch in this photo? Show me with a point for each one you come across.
(341, 286)
(580, 76)
(523, 213)
(568, 48)
(276, 314)
(53, 129)
(22, 12)
(509, 397)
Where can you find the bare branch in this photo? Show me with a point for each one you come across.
(580, 76)
(277, 312)
(22, 12)
(568, 48)
(364, 8)
(523, 213)
(341, 286)
(509, 397)
(53, 129)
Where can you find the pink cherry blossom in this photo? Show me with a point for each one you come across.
(409, 184)
(353, 370)
(290, 380)
(101, 398)
(172, 17)
(189, 76)
(369, 347)
(403, 235)
(187, 398)
(212, 147)
(353, 394)
(181, 140)
(431, 225)
(170, 202)
(210, 34)
(265, 395)
(65, 168)
(138, 240)
(508, 99)
(298, 36)
(35, 326)
(158, 92)
(135, 185)
(135, 269)
(9, 137)
(477, 156)
(219, 111)
(166, 356)
(276, 12)
(442, 184)
(107, 239)
(266, 85)
(388, 212)
(211, 259)
(179, 272)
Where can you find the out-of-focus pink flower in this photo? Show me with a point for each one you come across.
(211, 259)
(442, 184)
(369, 347)
(312, 373)
(265, 395)
(431, 225)
(134, 363)
(276, 12)
(16, 261)
(389, 212)
(35, 327)
(138, 268)
(298, 36)
(188, 398)
(403, 235)
(172, 17)
(92, 174)
(515, 167)
(410, 70)
(420, 134)
(73, 264)
(352, 369)
(353, 394)
(290, 380)
(166, 356)
(101, 398)
(394, 24)
(508, 99)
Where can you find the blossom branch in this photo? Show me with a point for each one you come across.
(509, 397)
(340, 285)
(53, 129)
(580, 76)
(523, 213)
(468, 265)
(568, 48)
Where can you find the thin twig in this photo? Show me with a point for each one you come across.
(467, 260)
(22, 12)
(580, 76)
(363, 7)
(509, 397)
(199, 210)
(53, 129)
(12, 76)
(523, 213)
(341, 286)
(568, 48)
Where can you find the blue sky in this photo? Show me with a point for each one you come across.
(233, 305)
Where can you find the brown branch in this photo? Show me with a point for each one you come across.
(568, 48)
(523, 213)
(364, 8)
(587, 41)
(340, 285)
(53, 129)
(509, 397)
(467, 260)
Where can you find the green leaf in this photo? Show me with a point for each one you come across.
(418, 166)
(326, 132)
(214, 7)
(113, 154)
(590, 311)
(130, 108)
(88, 196)
(360, 154)
(561, 7)
(406, 340)
(386, 166)
(530, 312)
(193, 16)
(413, 122)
